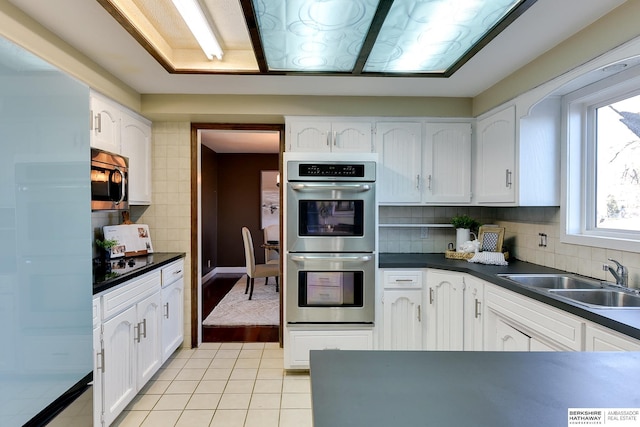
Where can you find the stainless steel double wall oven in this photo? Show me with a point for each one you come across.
(330, 241)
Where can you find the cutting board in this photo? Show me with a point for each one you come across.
(133, 239)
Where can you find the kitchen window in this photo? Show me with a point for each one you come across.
(601, 164)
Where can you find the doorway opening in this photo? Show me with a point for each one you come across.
(226, 165)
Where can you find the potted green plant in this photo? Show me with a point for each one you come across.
(106, 246)
(463, 225)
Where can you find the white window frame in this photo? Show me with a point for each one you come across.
(578, 161)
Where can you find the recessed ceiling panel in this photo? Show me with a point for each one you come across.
(313, 35)
(387, 37)
(430, 36)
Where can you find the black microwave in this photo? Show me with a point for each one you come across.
(109, 181)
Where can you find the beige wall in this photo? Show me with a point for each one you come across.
(272, 109)
(24, 31)
(169, 216)
(611, 31)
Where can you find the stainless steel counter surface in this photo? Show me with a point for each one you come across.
(492, 389)
(626, 321)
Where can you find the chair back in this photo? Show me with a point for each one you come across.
(271, 234)
(249, 256)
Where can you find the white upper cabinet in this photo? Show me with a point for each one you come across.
(136, 145)
(104, 124)
(118, 130)
(399, 147)
(447, 163)
(518, 155)
(424, 162)
(495, 157)
(329, 136)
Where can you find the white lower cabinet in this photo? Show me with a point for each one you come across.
(457, 311)
(119, 364)
(172, 308)
(598, 338)
(508, 338)
(299, 342)
(445, 310)
(131, 342)
(402, 326)
(148, 338)
(129, 345)
(548, 327)
(473, 313)
(98, 362)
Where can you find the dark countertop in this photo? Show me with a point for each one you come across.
(438, 388)
(123, 269)
(626, 321)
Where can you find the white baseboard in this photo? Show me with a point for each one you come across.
(222, 270)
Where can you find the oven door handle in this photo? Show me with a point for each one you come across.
(354, 188)
(347, 258)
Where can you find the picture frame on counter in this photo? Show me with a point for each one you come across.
(491, 238)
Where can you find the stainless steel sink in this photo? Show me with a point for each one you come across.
(553, 281)
(610, 298)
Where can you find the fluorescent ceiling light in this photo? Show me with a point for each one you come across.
(378, 36)
(194, 17)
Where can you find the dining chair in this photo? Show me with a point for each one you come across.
(256, 270)
(271, 235)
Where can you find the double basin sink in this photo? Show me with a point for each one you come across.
(589, 292)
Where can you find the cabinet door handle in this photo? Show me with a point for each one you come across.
(335, 138)
(329, 138)
(144, 328)
(136, 333)
(100, 360)
(418, 182)
(477, 314)
(166, 310)
(431, 296)
(508, 178)
(419, 314)
(99, 123)
(429, 182)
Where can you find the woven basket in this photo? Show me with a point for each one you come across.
(466, 255)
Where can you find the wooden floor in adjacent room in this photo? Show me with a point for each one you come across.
(213, 291)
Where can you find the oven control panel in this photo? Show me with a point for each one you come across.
(319, 171)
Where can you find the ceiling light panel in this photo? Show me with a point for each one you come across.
(430, 36)
(313, 35)
(197, 23)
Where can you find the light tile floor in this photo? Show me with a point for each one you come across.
(223, 385)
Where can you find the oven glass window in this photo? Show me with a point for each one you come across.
(331, 218)
(330, 289)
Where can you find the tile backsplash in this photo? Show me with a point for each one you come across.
(523, 226)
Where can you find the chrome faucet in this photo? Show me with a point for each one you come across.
(620, 273)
